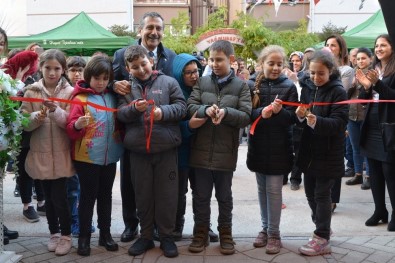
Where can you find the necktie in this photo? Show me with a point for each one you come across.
(151, 54)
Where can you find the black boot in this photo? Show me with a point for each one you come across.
(84, 248)
(357, 179)
(9, 233)
(6, 240)
(377, 217)
(105, 239)
(366, 183)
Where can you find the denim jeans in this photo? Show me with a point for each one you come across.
(354, 133)
(270, 201)
(318, 193)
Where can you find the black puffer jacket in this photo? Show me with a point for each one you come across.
(321, 150)
(270, 149)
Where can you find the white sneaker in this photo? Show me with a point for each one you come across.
(316, 246)
(64, 246)
(53, 242)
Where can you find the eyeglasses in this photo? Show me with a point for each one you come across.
(75, 70)
(191, 73)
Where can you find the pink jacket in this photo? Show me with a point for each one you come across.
(49, 155)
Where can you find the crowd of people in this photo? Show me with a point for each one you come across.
(171, 119)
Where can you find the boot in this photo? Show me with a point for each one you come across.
(391, 224)
(200, 238)
(227, 245)
(105, 239)
(357, 179)
(377, 217)
(84, 248)
(366, 183)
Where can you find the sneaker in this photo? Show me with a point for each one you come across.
(41, 210)
(31, 215)
(273, 245)
(366, 183)
(349, 172)
(260, 240)
(16, 191)
(169, 247)
(64, 246)
(141, 246)
(357, 179)
(316, 246)
(53, 242)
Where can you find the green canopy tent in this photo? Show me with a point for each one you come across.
(79, 36)
(365, 33)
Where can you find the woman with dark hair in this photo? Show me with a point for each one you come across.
(378, 133)
(338, 47)
(356, 114)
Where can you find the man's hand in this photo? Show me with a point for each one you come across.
(122, 87)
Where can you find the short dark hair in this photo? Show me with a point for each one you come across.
(365, 50)
(135, 52)
(224, 46)
(152, 15)
(76, 61)
(96, 66)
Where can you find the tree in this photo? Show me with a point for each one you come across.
(330, 29)
(122, 30)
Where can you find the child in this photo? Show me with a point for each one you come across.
(186, 70)
(153, 148)
(49, 155)
(226, 101)
(322, 145)
(270, 152)
(96, 148)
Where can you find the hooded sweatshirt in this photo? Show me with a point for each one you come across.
(179, 63)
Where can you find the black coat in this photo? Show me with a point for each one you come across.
(386, 90)
(164, 64)
(321, 150)
(270, 149)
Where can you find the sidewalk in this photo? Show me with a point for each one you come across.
(352, 241)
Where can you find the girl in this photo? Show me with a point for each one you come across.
(377, 138)
(270, 148)
(356, 115)
(96, 148)
(49, 156)
(322, 145)
(337, 45)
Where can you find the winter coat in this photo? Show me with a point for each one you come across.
(164, 64)
(386, 90)
(270, 149)
(215, 147)
(100, 142)
(179, 63)
(49, 154)
(166, 93)
(321, 150)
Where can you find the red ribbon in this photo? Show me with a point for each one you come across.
(296, 104)
(148, 130)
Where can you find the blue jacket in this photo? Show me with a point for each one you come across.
(179, 63)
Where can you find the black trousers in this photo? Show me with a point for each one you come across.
(56, 206)
(96, 182)
(25, 182)
(382, 173)
(129, 209)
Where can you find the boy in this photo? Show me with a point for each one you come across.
(153, 148)
(226, 101)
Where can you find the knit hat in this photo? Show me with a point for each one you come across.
(20, 61)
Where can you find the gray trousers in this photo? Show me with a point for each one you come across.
(205, 180)
(155, 180)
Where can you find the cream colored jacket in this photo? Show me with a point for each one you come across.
(49, 155)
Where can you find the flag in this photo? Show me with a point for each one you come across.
(316, 1)
(361, 6)
(277, 4)
(257, 3)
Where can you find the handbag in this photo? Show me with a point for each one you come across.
(388, 132)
